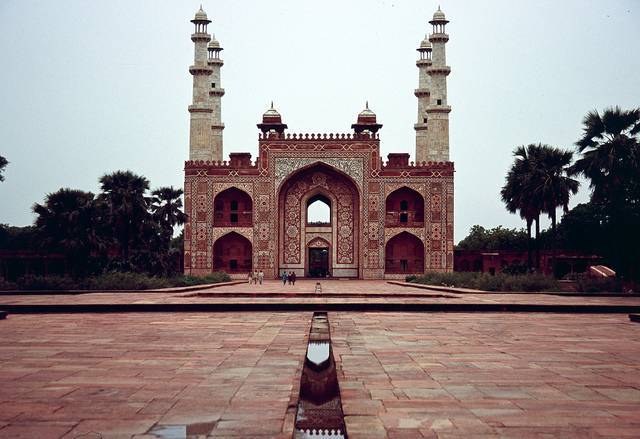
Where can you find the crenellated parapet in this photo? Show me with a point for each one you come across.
(318, 136)
(416, 169)
(239, 164)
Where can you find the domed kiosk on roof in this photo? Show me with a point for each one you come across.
(366, 121)
(272, 121)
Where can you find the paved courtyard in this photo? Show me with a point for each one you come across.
(333, 291)
(444, 375)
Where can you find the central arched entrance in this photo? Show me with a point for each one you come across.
(318, 258)
(319, 248)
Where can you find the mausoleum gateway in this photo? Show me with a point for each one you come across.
(387, 219)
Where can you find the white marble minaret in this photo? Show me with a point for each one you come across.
(422, 93)
(215, 98)
(432, 129)
(205, 140)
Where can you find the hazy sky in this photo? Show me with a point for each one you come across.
(90, 87)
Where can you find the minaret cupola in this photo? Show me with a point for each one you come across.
(200, 21)
(366, 121)
(272, 121)
(214, 49)
(439, 22)
(425, 49)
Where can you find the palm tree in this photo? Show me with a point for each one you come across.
(166, 205)
(553, 183)
(125, 205)
(519, 195)
(610, 148)
(538, 183)
(67, 222)
(3, 163)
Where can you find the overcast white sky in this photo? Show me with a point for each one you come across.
(89, 87)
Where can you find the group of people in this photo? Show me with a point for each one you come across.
(256, 277)
(288, 277)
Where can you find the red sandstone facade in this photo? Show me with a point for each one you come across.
(387, 219)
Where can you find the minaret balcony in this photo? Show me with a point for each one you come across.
(200, 109)
(421, 92)
(216, 92)
(200, 36)
(215, 62)
(439, 38)
(438, 109)
(439, 70)
(200, 70)
(423, 62)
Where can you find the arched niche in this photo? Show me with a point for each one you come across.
(232, 253)
(232, 207)
(404, 253)
(319, 182)
(318, 210)
(404, 207)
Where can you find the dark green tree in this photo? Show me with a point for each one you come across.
(610, 159)
(66, 222)
(498, 238)
(17, 238)
(555, 186)
(538, 182)
(3, 164)
(583, 228)
(125, 208)
(166, 207)
(520, 196)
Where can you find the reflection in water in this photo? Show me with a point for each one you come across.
(318, 352)
(319, 434)
(319, 413)
(188, 431)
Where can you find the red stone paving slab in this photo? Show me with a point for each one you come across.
(488, 375)
(433, 375)
(382, 292)
(120, 374)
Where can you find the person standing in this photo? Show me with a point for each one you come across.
(284, 278)
(255, 276)
(289, 277)
(293, 278)
(260, 276)
(250, 278)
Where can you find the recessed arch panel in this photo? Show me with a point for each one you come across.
(232, 207)
(404, 253)
(232, 253)
(404, 207)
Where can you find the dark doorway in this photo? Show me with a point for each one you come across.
(318, 262)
